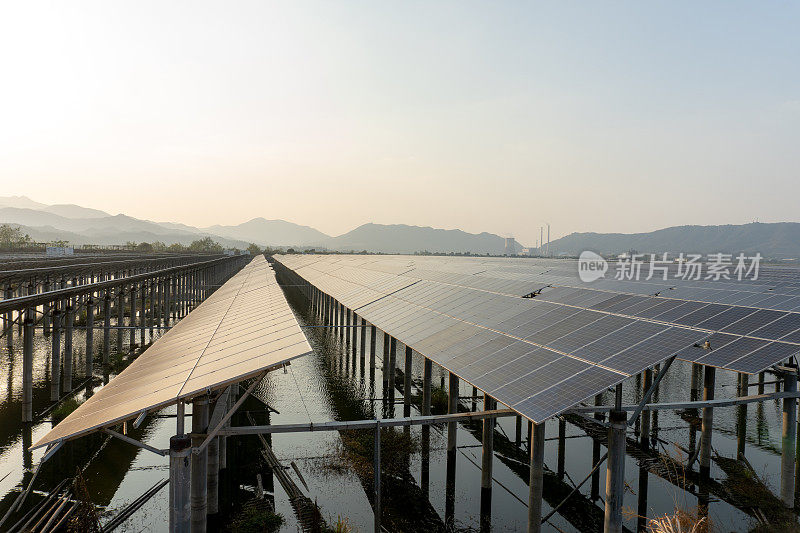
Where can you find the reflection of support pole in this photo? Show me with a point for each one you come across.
(536, 482)
(452, 440)
(518, 431)
(89, 335)
(407, 383)
(595, 493)
(644, 426)
(199, 464)
(27, 366)
(426, 429)
(562, 442)
(788, 439)
(741, 418)
(708, 419)
(55, 356)
(106, 326)
(641, 520)
(486, 465)
(615, 467)
(68, 346)
(179, 475)
(376, 467)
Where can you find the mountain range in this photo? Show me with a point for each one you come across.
(780, 240)
(81, 225)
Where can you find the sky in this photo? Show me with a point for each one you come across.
(484, 116)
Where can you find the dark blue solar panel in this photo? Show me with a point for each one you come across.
(763, 358)
(559, 398)
(708, 311)
(726, 318)
(752, 322)
(729, 353)
(652, 350)
(781, 327)
(675, 313)
(589, 333)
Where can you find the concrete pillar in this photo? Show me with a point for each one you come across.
(536, 482)
(788, 441)
(132, 338)
(708, 419)
(199, 493)
(486, 465)
(89, 335)
(55, 355)
(392, 364)
(615, 472)
(212, 478)
(363, 342)
(27, 365)
(694, 392)
(452, 408)
(179, 480)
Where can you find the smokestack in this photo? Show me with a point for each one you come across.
(548, 240)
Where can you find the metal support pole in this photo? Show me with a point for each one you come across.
(199, 496)
(8, 319)
(708, 419)
(372, 335)
(615, 468)
(426, 386)
(452, 441)
(536, 481)
(27, 365)
(179, 480)
(788, 441)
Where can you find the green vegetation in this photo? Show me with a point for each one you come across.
(256, 516)
(12, 235)
(254, 249)
(206, 244)
(63, 411)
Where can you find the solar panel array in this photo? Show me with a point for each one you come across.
(544, 354)
(243, 328)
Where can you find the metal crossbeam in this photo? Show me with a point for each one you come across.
(135, 442)
(339, 425)
(688, 405)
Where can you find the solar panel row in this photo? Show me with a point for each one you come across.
(243, 328)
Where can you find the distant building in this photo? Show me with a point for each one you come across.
(59, 251)
(511, 247)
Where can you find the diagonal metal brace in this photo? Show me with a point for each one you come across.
(228, 415)
(649, 393)
(135, 442)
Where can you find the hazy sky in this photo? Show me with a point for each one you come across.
(487, 116)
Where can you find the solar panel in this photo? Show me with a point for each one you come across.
(779, 328)
(213, 346)
(764, 357)
(729, 353)
(752, 322)
(717, 322)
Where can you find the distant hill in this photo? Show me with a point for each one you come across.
(74, 211)
(777, 240)
(400, 238)
(271, 233)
